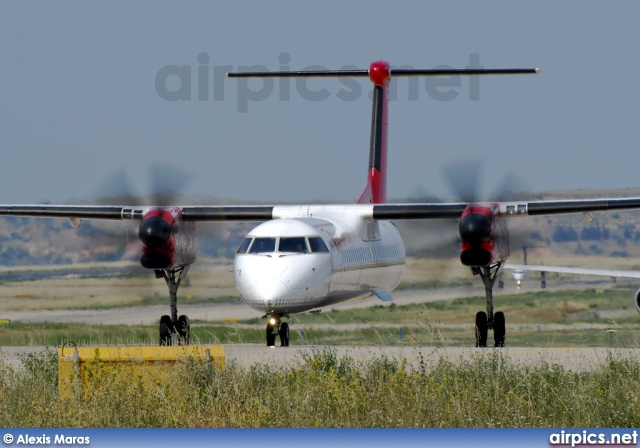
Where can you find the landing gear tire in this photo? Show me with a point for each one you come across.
(271, 335)
(499, 329)
(481, 329)
(165, 330)
(183, 330)
(543, 284)
(284, 334)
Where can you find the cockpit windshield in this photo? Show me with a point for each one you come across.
(244, 246)
(291, 244)
(295, 244)
(261, 245)
(317, 245)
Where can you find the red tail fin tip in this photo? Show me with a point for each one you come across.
(379, 73)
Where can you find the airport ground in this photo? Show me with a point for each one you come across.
(371, 383)
(575, 359)
(25, 298)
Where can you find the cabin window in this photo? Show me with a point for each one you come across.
(244, 246)
(261, 245)
(295, 244)
(317, 245)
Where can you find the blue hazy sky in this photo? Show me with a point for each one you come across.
(78, 96)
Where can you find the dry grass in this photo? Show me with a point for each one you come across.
(326, 391)
(426, 269)
(207, 278)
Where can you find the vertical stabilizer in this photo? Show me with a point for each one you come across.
(376, 190)
(380, 74)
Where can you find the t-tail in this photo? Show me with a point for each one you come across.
(380, 75)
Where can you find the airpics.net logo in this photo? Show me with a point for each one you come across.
(588, 438)
(206, 81)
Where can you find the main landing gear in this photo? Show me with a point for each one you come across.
(277, 328)
(174, 330)
(489, 321)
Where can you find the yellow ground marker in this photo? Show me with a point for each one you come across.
(149, 364)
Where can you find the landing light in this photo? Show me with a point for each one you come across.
(272, 321)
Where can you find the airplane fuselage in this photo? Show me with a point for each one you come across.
(295, 264)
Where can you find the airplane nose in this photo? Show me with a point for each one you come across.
(271, 291)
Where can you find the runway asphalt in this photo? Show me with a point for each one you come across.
(147, 315)
(574, 359)
(245, 355)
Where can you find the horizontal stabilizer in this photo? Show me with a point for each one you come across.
(383, 295)
(392, 72)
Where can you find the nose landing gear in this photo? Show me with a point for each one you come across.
(276, 328)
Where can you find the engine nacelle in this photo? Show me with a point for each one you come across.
(167, 241)
(636, 300)
(485, 238)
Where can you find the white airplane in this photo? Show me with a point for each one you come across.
(304, 257)
(611, 273)
(518, 276)
(520, 271)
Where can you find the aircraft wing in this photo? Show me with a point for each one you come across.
(117, 212)
(574, 270)
(391, 211)
(507, 209)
